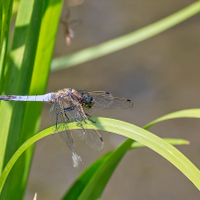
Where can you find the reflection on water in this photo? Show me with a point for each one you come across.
(161, 75)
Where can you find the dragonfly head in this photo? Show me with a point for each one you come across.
(88, 102)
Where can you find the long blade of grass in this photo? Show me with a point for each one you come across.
(43, 134)
(128, 130)
(126, 40)
(17, 81)
(17, 74)
(108, 164)
(189, 113)
(80, 186)
(5, 18)
(28, 68)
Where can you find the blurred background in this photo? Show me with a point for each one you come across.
(160, 75)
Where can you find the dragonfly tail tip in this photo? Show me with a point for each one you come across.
(76, 160)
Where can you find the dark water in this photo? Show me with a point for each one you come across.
(161, 75)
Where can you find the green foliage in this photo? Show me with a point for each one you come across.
(125, 40)
(92, 180)
(91, 183)
(24, 70)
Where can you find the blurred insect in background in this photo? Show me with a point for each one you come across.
(69, 33)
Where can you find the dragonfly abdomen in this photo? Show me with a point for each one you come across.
(44, 98)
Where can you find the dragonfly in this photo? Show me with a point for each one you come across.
(71, 104)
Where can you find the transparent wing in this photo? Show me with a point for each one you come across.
(58, 118)
(54, 114)
(104, 99)
(90, 136)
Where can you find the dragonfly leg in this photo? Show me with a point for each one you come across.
(56, 122)
(89, 118)
(76, 118)
(79, 122)
(84, 115)
(69, 109)
(66, 116)
(57, 114)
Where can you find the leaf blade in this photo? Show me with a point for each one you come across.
(26, 75)
(125, 41)
(190, 113)
(113, 126)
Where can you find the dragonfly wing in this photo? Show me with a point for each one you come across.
(120, 103)
(90, 136)
(58, 112)
(66, 136)
(104, 99)
(57, 115)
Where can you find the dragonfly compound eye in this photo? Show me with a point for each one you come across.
(89, 101)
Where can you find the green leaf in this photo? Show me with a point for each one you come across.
(89, 175)
(172, 141)
(86, 186)
(126, 40)
(190, 113)
(104, 167)
(119, 127)
(27, 72)
(5, 18)
(17, 74)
